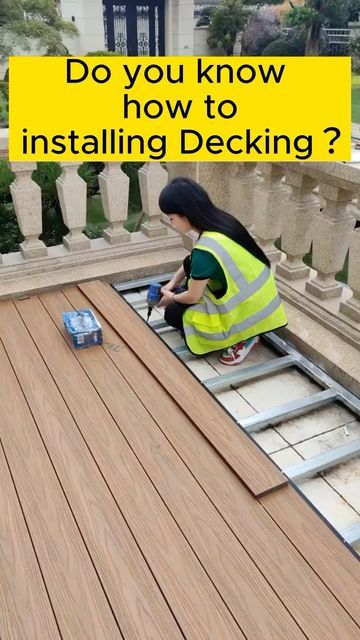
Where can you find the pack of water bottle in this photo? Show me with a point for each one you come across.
(83, 328)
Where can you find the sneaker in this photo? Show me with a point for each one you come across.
(238, 353)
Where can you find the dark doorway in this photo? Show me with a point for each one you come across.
(135, 28)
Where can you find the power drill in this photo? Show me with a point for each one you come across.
(153, 297)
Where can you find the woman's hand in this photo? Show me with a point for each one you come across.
(166, 299)
(168, 287)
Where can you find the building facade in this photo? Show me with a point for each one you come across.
(151, 27)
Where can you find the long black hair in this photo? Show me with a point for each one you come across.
(185, 197)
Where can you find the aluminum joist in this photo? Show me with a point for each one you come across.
(144, 282)
(314, 372)
(236, 378)
(288, 410)
(352, 534)
(332, 458)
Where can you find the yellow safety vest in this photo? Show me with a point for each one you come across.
(251, 305)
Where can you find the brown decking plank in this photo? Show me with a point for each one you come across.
(25, 609)
(137, 603)
(196, 604)
(299, 587)
(251, 465)
(254, 604)
(79, 603)
(315, 541)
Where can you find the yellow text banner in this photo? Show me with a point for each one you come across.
(180, 109)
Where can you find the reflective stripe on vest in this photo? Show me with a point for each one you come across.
(242, 325)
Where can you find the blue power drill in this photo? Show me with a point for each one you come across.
(153, 297)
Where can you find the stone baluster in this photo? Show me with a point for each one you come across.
(114, 189)
(214, 177)
(71, 189)
(269, 196)
(243, 179)
(190, 239)
(26, 195)
(152, 179)
(332, 228)
(183, 169)
(351, 308)
(300, 207)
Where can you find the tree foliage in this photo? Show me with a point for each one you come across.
(228, 19)
(23, 21)
(262, 28)
(315, 14)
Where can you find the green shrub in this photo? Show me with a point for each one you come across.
(131, 169)
(10, 234)
(6, 178)
(102, 53)
(4, 103)
(94, 231)
(89, 172)
(355, 54)
(285, 47)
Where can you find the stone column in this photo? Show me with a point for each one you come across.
(243, 179)
(179, 27)
(26, 195)
(114, 189)
(183, 169)
(71, 190)
(215, 178)
(87, 16)
(152, 179)
(351, 308)
(332, 229)
(300, 207)
(269, 196)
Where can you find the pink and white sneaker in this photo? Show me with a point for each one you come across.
(238, 353)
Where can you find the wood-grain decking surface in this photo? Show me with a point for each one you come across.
(132, 506)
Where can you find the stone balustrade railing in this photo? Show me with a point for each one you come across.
(291, 208)
(71, 189)
(77, 249)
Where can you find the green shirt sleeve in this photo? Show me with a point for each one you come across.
(204, 265)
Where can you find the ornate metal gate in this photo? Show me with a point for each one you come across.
(135, 28)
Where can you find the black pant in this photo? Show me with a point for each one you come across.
(174, 315)
(175, 310)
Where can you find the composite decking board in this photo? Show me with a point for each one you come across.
(25, 608)
(308, 599)
(137, 603)
(79, 603)
(251, 465)
(329, 557)
(253, 603)
(198, 607)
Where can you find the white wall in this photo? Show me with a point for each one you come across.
(87, 15)
(179, 27)
(201, 47)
